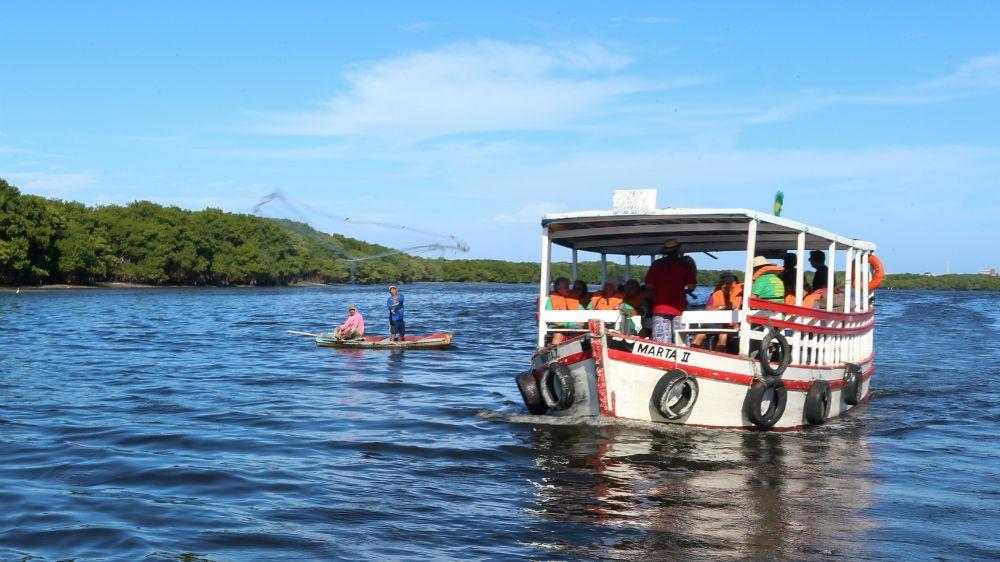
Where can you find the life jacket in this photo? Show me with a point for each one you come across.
(775, 269)
(718, 298)
(583, 299)
(599, 302)
(560, 302)
(810, 300)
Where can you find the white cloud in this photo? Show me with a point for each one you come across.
(644, 20)
(416, 26)
(529, 213)
(466, 88)
(50, 184)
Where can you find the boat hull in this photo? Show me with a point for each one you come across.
(432, 341)
(616, 375)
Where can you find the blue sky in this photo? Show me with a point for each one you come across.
(877, 120)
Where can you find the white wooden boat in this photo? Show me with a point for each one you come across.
(828, 355)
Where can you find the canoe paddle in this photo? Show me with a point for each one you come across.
(298, 333)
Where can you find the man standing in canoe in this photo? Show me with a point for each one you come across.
(397, 328)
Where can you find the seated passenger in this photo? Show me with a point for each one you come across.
(766, 283)
(787, 276)
(818, 261)
(562, 298)
(728, 295)
(636, 297)
(580, 289)
(609, 298)
(353, 327)
(817, 299)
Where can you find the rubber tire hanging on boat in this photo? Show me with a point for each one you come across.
(853, 390)
(675, 383)
(530, 393)
(817, 406)
(770, 371)
(556, 384)
(755, 397)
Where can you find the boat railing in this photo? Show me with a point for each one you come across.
(816, 337)
(577, 320)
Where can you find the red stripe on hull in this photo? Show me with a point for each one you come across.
(715, 374)
(597, 347)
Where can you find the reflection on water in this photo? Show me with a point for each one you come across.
(706, 493)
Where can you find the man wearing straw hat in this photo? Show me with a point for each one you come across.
(353, 327)
(670, 278)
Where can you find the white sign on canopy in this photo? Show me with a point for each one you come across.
(634, 201)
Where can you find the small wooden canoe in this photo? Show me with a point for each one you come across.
(432, 341)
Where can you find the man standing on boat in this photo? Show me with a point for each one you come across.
(397, 328)
(671, 278)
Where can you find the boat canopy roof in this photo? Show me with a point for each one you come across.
(706, 230)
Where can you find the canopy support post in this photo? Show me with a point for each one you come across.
(575, 268)
(628, 267)
(747, 285)
(543, 285)
(800, 269)
(865, 277)
(604, 270)
(830, 277)
(848, 277)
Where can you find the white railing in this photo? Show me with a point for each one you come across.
(576, 321)
(818, 338)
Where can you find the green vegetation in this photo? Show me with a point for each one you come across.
(52, 241)
(954, 282)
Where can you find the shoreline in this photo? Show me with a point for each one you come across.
(126, 285)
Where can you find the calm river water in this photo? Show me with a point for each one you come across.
(186, 424)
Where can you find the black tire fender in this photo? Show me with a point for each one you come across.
(759, 390)
(530, 393)
(675, 394)
(853, 390)
(557, 387)
(764, 357)
(817, 406)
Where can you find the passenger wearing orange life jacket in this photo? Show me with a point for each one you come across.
(728, 295)
(766, 283)
(609, 298)
(562, 298)
(580, 289)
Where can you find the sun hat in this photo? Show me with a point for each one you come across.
(671, 244)
(760, 260)
(352, 307)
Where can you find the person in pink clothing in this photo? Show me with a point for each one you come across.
(353, 327)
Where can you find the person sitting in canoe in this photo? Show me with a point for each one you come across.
(397, 327)
(353, 327)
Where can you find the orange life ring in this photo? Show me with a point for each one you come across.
(878, 272)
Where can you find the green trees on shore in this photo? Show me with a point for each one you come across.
(53, 241)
